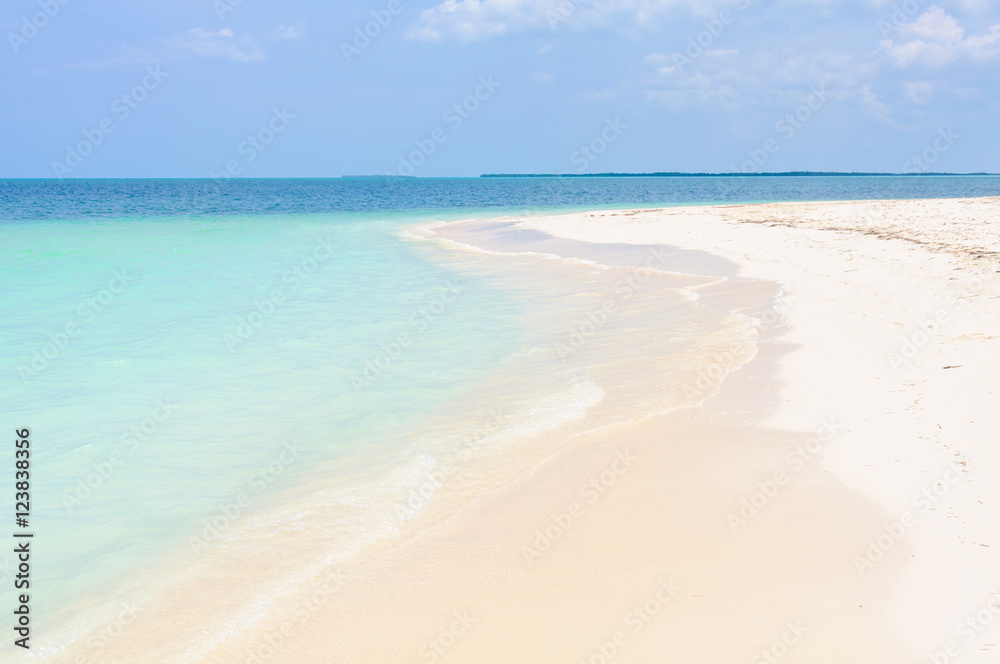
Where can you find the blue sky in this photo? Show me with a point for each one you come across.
(192, 88)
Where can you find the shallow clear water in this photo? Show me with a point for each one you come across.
(228, 338)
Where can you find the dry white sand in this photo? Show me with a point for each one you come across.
(868, 283)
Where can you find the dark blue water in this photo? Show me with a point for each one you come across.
(78, 199)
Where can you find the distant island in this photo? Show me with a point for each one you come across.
(703, 175)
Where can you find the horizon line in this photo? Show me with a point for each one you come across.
(663, 174)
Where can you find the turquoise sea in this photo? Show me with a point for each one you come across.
(202, 365)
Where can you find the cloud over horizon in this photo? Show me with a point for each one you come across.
(935, 40)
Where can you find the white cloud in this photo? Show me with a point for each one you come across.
(871, 102)
(986, 47)
(919, 92)
(935, 25)
(472, 20)
(290, 31)
(731, 79)
(543, 77)
(224, 43)
(936, 40)
(700, 93)
(728, 81)
(721, 53)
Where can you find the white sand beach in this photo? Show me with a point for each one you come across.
(882, 546)
(838, 500)
(895, 317)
